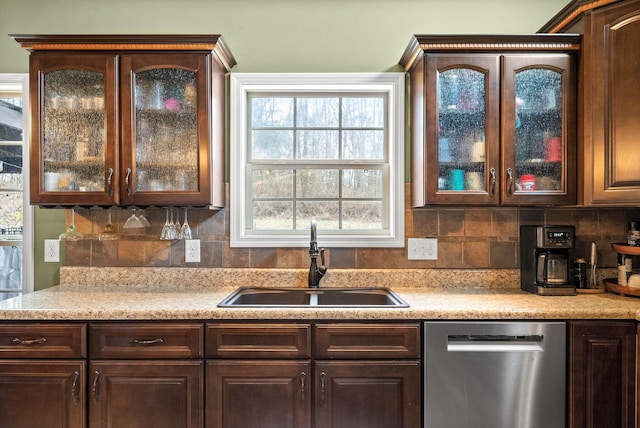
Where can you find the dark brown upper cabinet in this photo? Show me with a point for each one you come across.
(609, 129)
(493, 119)
(127, 120)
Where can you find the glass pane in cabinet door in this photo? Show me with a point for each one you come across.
(74, 131)
(461, 130)
(166, 137)
(539, 147)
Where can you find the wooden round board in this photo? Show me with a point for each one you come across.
(622, 290)
(599, 290)
(626, 249)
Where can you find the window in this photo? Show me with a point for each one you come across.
(328, 147)
(16, 248)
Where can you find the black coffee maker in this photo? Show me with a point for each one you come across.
(544, 260)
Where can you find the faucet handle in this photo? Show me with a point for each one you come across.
(322, 269)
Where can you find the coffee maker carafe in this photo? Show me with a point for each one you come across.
(544, 259)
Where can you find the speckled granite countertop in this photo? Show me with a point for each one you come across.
(154, 294)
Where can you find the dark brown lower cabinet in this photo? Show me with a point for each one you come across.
(258, 394)
(146, 375)
(146, 394)
(36, 394)
(42, 375)
(358, 375)
(602, 374)
(367, 394)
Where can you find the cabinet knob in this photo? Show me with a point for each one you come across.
(510, 184)
(323, 386)
(303, 378)
(143, 342)
(126, 181)
(95, 388)
(29, 342)
(492, 171)
(109, 181)
(75, 391)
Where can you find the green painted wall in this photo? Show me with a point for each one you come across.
(278, 35)
(265, 36)
(49, 223)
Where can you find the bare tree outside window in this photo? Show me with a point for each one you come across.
(343, 136)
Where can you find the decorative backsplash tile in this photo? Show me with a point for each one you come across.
(468, 238)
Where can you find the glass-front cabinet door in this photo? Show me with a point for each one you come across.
(538, 130)
(165, 141)
(462, 118)
(74, 148)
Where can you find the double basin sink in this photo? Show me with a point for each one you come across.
(313, 297)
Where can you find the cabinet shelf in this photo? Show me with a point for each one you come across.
(181, 111)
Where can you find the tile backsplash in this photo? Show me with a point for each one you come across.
(468, 238)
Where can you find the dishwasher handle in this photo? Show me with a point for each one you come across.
(496, 337)
(495, 342)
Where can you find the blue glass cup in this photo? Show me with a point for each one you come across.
(456, 179)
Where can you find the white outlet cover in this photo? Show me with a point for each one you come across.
(192, 251)
(51, 251)
(422, 249)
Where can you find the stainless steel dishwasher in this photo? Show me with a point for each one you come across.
(495, 374)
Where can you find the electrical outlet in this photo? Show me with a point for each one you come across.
(192, 250)
(422, 249)
(51, 250)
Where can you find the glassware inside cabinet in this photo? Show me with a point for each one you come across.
(74, 131)
(539, 147)
(461, 130)
(166, 136)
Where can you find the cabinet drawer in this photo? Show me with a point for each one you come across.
(43, 340)
(146, 340)
(259, 340)
(348, 340)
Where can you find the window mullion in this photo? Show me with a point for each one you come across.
(294, 194)
(295, 199)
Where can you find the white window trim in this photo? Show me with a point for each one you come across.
(19, 82)
(243, 83)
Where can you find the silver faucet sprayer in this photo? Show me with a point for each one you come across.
(315, 272)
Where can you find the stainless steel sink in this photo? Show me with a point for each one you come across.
(306, 297)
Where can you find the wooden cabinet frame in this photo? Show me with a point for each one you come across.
(608, 159)
(495, 56)
(118, 57)
(602, 374)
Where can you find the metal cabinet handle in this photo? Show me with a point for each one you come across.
(492, 190)
(510, 186)
(303, 378)
(29, 342)
(323, 386)
(75, 392)
(126, 181)
(95, 392)
(142, 342)
(109, 182)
